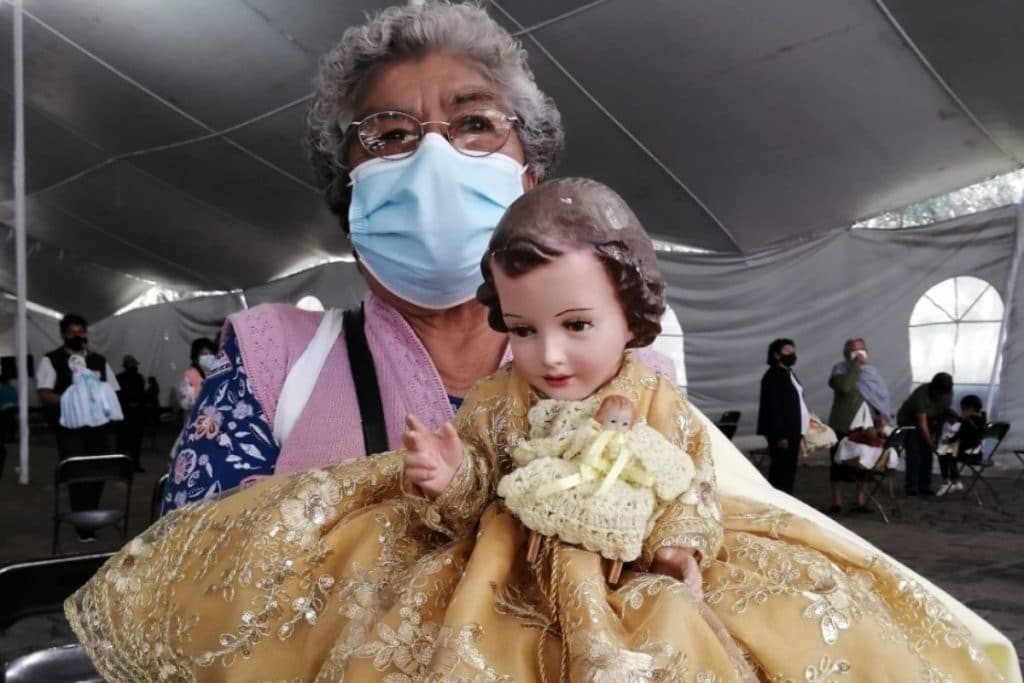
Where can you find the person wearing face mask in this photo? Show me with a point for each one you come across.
(54, 376)
(783, 416)
(426, 123)
(860, 401)
(202, 358)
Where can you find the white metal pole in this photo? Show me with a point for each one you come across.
(21, 317)
(1011, 288)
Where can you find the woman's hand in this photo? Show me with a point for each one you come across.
(680, 563)
(431, 458)
(782, 443)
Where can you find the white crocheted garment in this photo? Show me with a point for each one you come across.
(613, 523)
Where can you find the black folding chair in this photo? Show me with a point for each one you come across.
(729, 422)
(157, 501)
(60, 664)
(991, 438)
(40, 587)
(89, 469)
(1019, 454)
(882, 474)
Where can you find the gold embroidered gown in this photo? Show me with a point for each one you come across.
(341, 575)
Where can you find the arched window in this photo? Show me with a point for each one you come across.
(309, 303)
(670, 343)
(954, 328)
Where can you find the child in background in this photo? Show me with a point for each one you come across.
(965, 432)
(972, 425)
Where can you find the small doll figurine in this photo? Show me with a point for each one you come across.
(593, 481)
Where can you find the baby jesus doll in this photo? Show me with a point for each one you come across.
(573, 300)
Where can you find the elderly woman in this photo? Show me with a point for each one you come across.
(860, 401)
(426, 124)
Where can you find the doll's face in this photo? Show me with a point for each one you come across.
(567, 328)
(615, 413)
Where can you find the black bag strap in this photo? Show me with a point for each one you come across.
(364, 377)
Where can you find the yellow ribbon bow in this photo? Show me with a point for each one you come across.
(609, 454)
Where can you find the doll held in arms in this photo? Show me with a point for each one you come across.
(416, 565)
(585, 473)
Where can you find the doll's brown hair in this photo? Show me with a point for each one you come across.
(573, 213)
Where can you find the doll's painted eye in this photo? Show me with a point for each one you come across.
(521, 330)
(578, 325)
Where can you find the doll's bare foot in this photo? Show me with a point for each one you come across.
(615, 573)
(534, 548)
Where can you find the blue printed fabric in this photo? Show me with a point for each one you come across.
(227, 438)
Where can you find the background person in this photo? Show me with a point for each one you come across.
(925, 405)
(782, 415)
(202, 358)
(860, 400)
(54, 376)
(132, 397)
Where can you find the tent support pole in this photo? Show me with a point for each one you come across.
(21, 316)
(1011, 288)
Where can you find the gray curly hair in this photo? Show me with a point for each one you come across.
(409, 31)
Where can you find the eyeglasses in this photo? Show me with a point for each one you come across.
(397, 135)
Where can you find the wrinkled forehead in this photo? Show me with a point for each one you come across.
(426, 86)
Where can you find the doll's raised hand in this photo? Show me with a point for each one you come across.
(431, 457)
(680, 563)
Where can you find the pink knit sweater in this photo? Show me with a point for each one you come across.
(271, 338)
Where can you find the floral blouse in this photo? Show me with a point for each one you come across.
(227, 438)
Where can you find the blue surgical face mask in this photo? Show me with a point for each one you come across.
(420, 225)
(207, 361)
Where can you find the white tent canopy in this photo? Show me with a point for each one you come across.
(163, 145)
(728, 126)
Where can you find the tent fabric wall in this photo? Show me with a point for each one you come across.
(816, 116)
(160, 337)
(820, 292)
(336, 285)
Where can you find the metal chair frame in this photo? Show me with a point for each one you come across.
(86, 469)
